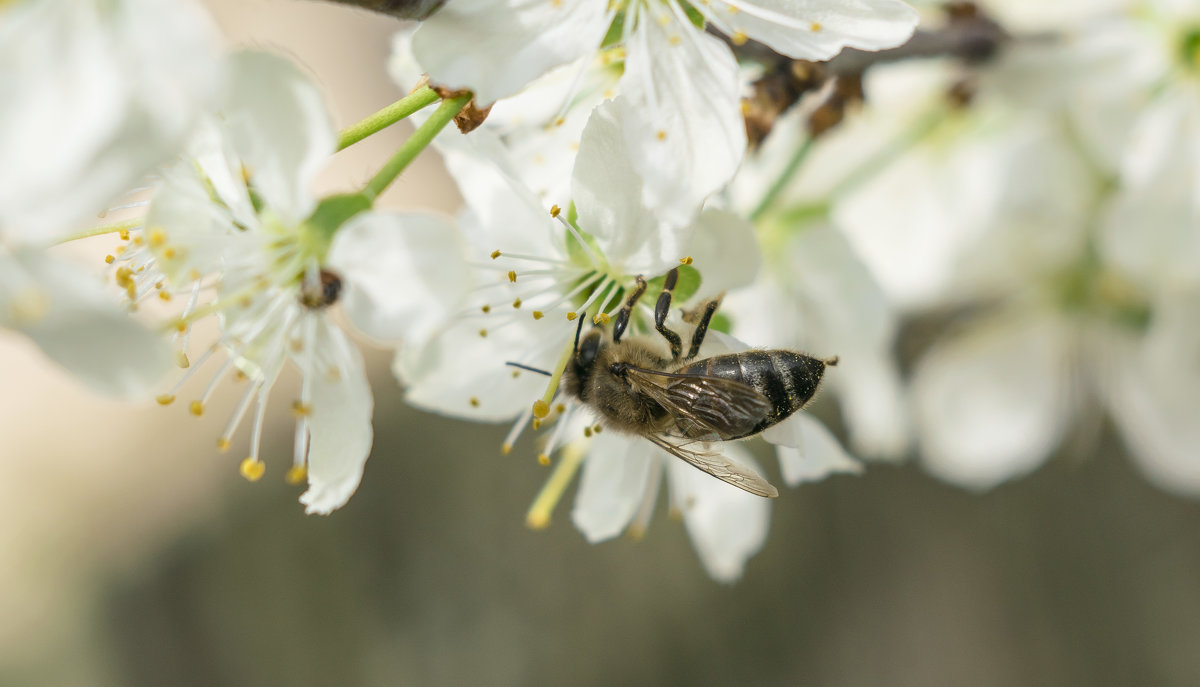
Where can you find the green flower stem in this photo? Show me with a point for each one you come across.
(386, 117)
(420, 139)
(783, 180)
(102, 229)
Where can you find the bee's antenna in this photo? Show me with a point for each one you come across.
(527, 367)
(579, 328)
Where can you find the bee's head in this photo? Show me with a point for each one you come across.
(587, 349)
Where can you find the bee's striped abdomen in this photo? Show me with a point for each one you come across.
(787, 379)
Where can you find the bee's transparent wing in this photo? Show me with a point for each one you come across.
(719, 466)
(710, 408)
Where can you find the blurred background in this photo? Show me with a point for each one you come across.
(134, 554)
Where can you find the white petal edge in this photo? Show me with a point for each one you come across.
(616, 474)
(808, 451)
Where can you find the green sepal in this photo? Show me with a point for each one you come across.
(721, 323)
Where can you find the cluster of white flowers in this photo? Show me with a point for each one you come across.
(1020, 184)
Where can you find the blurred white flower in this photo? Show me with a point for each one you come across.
(234, 232)
(679, 89)
(95, 94)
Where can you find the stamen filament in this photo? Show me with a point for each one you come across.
(538, 516)
(127, 225)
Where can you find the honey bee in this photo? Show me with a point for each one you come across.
(680, 403)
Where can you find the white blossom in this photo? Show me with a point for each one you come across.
(232, 233)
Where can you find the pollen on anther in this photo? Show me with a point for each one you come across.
(252, 469)
(572, 315)
(196, 408)
(815, 26)
(505, 449)
(474, 402)
(560, 121)
(296, 474)
(676, 40)
(165, 399)
(560, 408)
(543, 459)
(301, 409)
(601, 318)
(512, 276)
(661, 135)
(486, 309)
(124, 234)
(157, 237)
(223, 444)
(555, 210)
(516, 373)
(517, 303)
(109, 259)
(739, 38)
(538, 314)
(169, 253)
(587, 432)
(483, 333)
(495, 254)
(163, 295)
(540, 408)
(597, 428)
(686, 261)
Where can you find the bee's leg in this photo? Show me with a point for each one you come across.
(660, 314)
(705, 313)
(623, 315)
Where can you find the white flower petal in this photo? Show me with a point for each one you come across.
(1152, 397)
(992, 403)
(616, 474)
(460, 373)
(808, 451)
(815, 29)
(495, 48)
(95, 95)
(681, 113)
(725, 251)
(339, 425)
(279, 128)
(607, 191)
(69, 315)
(727, 525)
(403, 274)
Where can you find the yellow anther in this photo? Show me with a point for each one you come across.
(538, 314)
(483, 333)
(486, 309)
(597, 428)
(572, 315)
(301, 409)
(157, 237)
(181, 360)
(543, 459)
(636, 531)
(587, 431)
(163, 295)
(661, 135)
(559, 408)
(223, 444)
(686, 261)
(516, 373)
(517, 303)
(169, 253)
(245, 302)
(540, 408)
(495, 254)
(297, 474)
(739, 38)
(252, 469)
(109, 259)
(139, 241)
(181, 326)
(196, 408)
(536, 424)
(124, 234)
(815, 26)
(512, 276)
(297, 345)
(676, 40)
(474, 402)
(732, 9)
(165, 399)
(505, 449)
(239, 376)
(555, 210)
(601, 318)
(560, 121)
